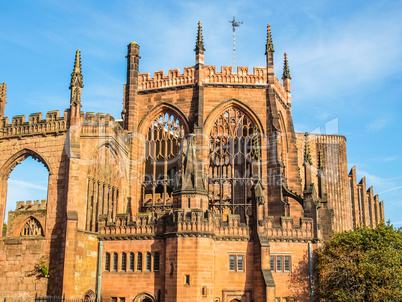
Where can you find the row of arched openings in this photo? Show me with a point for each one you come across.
(132, 262)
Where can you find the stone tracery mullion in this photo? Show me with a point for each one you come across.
(230, 161)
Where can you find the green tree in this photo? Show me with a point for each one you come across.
(362, 265)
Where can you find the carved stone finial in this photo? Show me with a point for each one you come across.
(307, 155)
(199, 44)
(286, 72)
(76, 75)
(269, 46)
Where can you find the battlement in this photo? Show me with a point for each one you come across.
(35, 124)
(288, 230)
(191, 223)
(159, 80)
(93, 124)
(29, 206)
(227, 76)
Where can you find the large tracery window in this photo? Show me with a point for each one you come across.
(104, 181)
(233, 166)
(162, 160)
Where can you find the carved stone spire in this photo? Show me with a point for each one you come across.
(307, 155)
(76, 75)
(76, 86)
(199, 44)
(269, 46)
(286, 72)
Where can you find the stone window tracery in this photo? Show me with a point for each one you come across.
(162, 159)
(234, 155)
(32, 227)
(103, 191)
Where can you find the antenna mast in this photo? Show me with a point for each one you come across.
(234, 25)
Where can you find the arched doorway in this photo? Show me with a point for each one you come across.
(144, 297)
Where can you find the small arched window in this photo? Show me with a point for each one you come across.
(139, 262)
(156, 262)
(107, 262)
(32, 227)
(115, 259)
(131, 262)
(123, 261)
(148, 262)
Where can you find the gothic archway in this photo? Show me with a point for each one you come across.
(144, 297)
(6, 169)
(234, 162)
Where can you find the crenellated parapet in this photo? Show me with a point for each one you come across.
(19, 126)
(174, 78)
(31, 206)
(210, 76)
(99, 123)
(242, 76)
(288, 230)
(198, 223)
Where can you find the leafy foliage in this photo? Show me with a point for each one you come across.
(362, 265)
(42, 268)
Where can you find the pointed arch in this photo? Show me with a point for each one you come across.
(18, 157)
(236, 104)
(164, 129)
(105, 184)
(163, 108)
(144, 297)
(234, 137)
(31, 227)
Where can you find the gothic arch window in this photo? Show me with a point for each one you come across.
(162, 160)
(103, 186)
(24, 176)
(234, 156)
(31, 227)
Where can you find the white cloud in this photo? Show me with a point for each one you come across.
(377, 124)
(20, 184)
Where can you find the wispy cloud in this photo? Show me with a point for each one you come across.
(24, 185)
(377, 124)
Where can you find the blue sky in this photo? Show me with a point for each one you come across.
(345, 61)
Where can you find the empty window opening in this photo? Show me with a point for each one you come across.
(28, 182)
(187, 279)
